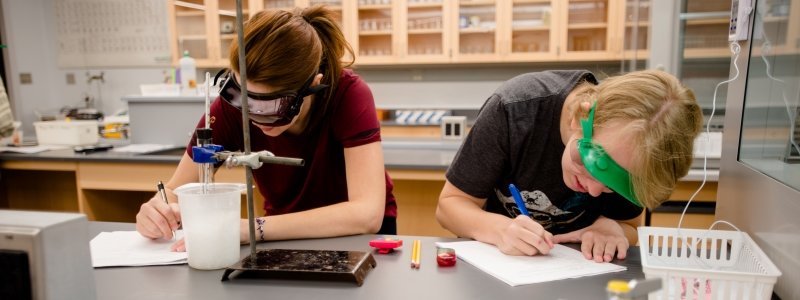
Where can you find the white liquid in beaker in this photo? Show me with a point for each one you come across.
(211, 223)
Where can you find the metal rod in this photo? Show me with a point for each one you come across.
(246, 128)
(277, 160)
(206, 170)
(208, 100)
(268, 159)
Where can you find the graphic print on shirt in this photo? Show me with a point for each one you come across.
(543, 211)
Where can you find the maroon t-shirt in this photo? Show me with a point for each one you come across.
(352, 122)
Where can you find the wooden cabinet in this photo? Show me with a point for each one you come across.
(588, 30)
(705, 31)
(377, 38)
(478, 28)
(206, 28)
(426, 36)
(98, 189)
(636, 23)
(532, 34)
(384, 32)
(103, 193)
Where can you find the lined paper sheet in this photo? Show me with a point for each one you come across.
(562, 262)
(129, 248)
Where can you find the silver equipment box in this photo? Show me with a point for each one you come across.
(45, 255)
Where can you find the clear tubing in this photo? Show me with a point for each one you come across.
(206, 176)
(205, 170)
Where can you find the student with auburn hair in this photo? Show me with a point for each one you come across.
(586, 157)
(303, 103)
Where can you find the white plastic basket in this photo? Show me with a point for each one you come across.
(706, 264)
(69, 133)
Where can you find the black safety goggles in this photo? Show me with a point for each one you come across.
(271, 109)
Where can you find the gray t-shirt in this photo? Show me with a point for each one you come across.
(516, 139)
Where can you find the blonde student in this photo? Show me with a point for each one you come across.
(586, 158)
(303, 103)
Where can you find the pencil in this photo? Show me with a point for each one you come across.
(415, 254)
(419, 252)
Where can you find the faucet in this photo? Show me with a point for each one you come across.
(91, 78)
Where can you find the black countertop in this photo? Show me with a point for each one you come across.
(399, 153)
(431, 154)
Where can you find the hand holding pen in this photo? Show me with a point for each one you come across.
(157, 218)
(524, 236)
(163, 193)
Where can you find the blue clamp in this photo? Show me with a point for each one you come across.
(205, 154)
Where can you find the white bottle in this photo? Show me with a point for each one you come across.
(188, 74)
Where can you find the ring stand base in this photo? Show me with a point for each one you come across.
(325, 265)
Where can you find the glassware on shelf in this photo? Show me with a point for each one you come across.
(375, 24)
(425, 23)
(587, 12)
(327, 2)
(278, 4)
(374, 2)
(526, 16)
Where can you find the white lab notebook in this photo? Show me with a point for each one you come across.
(129, 248)
(562, 262)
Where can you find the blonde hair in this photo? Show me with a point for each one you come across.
(664, 118)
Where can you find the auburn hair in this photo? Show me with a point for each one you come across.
(285, 48)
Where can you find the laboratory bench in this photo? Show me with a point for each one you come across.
(111, 186)
(392, 277)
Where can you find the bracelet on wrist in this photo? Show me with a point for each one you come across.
(260, 228)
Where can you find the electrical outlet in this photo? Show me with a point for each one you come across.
(25, 78)
(416, 75)
(71, 78)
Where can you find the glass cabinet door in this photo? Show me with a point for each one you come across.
(477, 38)
(637, 22)
(190, 31)
(780, 27)
(277, 4)
(770, 135)
(375, 40)
(587, 30)
(227, 26)
(532, 35)
(426, 38)
(706, 28)
(706, 54)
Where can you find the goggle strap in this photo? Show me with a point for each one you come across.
(588, 123)
(219, 74)
(316, 89)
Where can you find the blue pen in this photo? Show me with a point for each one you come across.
(518, 199)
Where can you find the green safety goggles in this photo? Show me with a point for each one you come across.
(597, 161)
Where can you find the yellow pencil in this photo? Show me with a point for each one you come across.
(413, 253)
(417, 253)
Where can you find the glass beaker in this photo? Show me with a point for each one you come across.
(211, 223)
